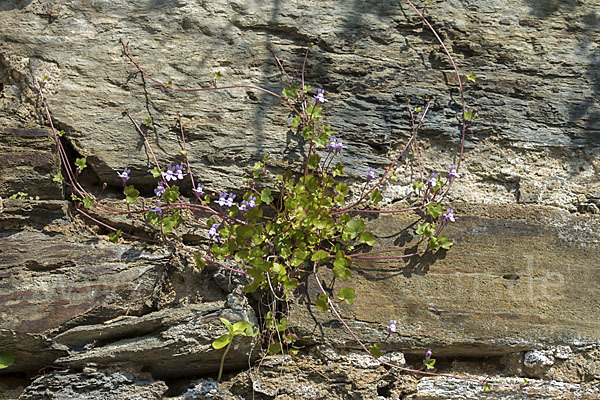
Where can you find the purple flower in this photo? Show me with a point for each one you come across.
(428, 354)
(370, 174)
(453, 172)
(178, 171)
(124, 175)
(433, 180)
(248, 204)
(222, 199)
(449, 215)
(160, 189)
(169, 174)
(157, 210)
(335, 145)
(229, 201)
(173, 173)
(212, 232)
(199, 191)
(391, 328)
(319, 98)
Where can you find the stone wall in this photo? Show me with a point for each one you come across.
(517, 296)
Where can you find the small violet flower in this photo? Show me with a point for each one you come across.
(391, 328)
(222, 199)
(449, 215)
(433, 180)
(173, 173)
(160, 189)
(453, 172)
(370, 174)
(212, 232)
(229, 201)
(124, 175)
(319, 98)
(199, 191)
(335, 145)
(428, 354)
(179, 172)
(157, 210)
(248, 204)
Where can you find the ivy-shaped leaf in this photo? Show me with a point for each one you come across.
(376, 196)
(375, 350)
(348, 295)
(322, 303)
(88, 202)
(265, 196)
(131, 194)
(80, 162)
(367, 238)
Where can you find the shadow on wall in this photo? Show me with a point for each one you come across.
(586, 111)
(7, 5)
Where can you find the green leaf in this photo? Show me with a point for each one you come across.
(311, 183)
(338, 170)
(60, 133)
(376, 196)
(171, 195)
(348, 295)
(353, 227)
(274, 348)
(131, 194)
(342, 189)
(227, 324)
(199, 261)
(80, 162)
(147, 122)
(320, 255)
(429, 363)
(470, 115)
(155, 172)
(487, 387)
(58, 178)
(425, 229)
(291, 92)
(265, 196)
(375, 350)
(418, 185)
(444, 242)
(290, 284)
(169, 84)
(322, 303)
(366, 237)
(340, 271)
(314, 112)
(239, 328)
(114, 237)
(218, 75)
(88, 202)
(339, 200)
(434, 210)
(221, 341)
(296, 121)
(7, 357)
(313, 161)
(471, 76)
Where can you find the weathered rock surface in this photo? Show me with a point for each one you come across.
(536, 140)
(516, 295)
(93, 385)
(515, 280)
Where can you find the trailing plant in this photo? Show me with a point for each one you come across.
(298, 223)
